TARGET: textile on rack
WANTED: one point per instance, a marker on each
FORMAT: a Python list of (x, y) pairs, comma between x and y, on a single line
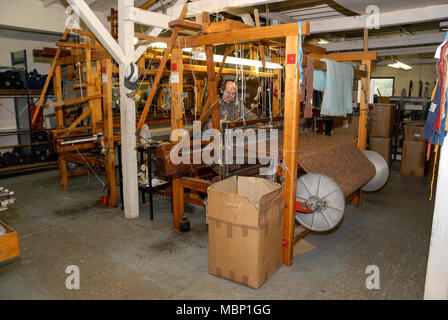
[(338, 89), (436, 125), (319, 80), (308, 88)]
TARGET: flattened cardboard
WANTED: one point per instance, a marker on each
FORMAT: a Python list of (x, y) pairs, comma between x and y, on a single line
[(382, 118), (346, 126), (245, 229), (381, 146), (413, 158)]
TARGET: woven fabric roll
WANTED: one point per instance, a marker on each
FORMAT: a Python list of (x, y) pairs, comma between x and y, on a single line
[(336, 157)]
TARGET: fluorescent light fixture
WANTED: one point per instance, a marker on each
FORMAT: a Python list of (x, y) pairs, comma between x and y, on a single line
[(399, 65), (238, 61), (218, 58), (322, 41), (158, 45)]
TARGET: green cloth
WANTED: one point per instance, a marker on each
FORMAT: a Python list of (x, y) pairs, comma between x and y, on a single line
[(338, 91)]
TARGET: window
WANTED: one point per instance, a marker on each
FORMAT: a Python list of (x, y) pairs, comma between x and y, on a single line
[(385, 86)]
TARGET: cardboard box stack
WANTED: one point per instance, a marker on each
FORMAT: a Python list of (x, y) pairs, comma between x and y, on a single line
[(245, 228), (382, 119), (414, 149)]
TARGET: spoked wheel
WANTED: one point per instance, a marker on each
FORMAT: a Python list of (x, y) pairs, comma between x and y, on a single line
[(321, 201)]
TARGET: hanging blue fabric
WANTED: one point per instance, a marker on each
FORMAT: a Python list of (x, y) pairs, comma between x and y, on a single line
[(300, 53), (446, 36)]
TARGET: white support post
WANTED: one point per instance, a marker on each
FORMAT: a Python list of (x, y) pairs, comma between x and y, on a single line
[(127, 112), (436, 286)]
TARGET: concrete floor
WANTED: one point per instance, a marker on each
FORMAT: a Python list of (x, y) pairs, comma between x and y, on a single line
[(143, 259)]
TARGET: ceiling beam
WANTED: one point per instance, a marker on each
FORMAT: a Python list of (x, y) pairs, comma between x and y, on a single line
[(247, 19), (147, 18), (408, 61), (281, 18), (406, 51), (387, 42), (197, 7), (423, 14)]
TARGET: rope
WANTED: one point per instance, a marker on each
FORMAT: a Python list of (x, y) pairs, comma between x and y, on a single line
[(300, 53), (436, 150)]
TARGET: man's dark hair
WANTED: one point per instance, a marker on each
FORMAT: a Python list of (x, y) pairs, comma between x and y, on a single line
[(224, 84)]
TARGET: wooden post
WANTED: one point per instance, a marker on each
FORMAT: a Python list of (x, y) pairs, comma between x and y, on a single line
[(178, 201), (127, 112), (160, 108), (109, 134), (290, 145), (50, 74), (199, 95), (59, 114), (176, 83), (364, 107)]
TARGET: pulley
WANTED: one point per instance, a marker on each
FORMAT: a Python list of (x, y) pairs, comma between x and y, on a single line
[(131, 77), (381, 168), (320, 202)]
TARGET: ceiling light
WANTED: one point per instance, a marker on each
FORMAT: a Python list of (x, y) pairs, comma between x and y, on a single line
[(218, 58), (399, 65), (322, 41)]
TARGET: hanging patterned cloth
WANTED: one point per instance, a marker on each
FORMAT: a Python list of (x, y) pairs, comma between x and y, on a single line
[(436, 125)]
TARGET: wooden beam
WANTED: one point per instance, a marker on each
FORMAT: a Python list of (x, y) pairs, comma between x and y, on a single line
[(147, 4), (364, 107), (349, 56), (246, 35), (290, 146), (226, 25), (185, 25), (177, 89), (58, 104), (260, 46), (159, 73), (80, 118), (47, 81), (148, 37), (108, 133)]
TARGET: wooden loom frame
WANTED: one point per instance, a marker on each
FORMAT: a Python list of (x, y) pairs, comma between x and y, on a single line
[(290, 33)]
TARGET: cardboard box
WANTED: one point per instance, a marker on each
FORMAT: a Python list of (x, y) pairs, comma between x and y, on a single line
[(413, 159), (345, 126), (245, 228), (413, 132), (382, 119), (9, 244), (382, 146)]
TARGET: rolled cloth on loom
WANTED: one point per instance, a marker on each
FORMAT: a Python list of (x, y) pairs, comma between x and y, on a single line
[(336, 157)]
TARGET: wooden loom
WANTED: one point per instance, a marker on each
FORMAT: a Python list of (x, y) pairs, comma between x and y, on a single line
[(290, 34)]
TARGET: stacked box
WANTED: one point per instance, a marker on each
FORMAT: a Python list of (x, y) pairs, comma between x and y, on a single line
[(382, 119)]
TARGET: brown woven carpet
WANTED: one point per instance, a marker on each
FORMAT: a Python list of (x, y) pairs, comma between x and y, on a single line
[(336, 157)]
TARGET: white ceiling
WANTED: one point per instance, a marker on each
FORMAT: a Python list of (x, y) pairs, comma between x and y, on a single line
[(360, 6)]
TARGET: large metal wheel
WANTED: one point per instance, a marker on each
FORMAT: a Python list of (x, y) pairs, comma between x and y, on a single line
[(324, 198), (382, 171)]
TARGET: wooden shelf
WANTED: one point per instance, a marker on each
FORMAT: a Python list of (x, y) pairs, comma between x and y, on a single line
[(15, 132), (28, 167), (20, 92)]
